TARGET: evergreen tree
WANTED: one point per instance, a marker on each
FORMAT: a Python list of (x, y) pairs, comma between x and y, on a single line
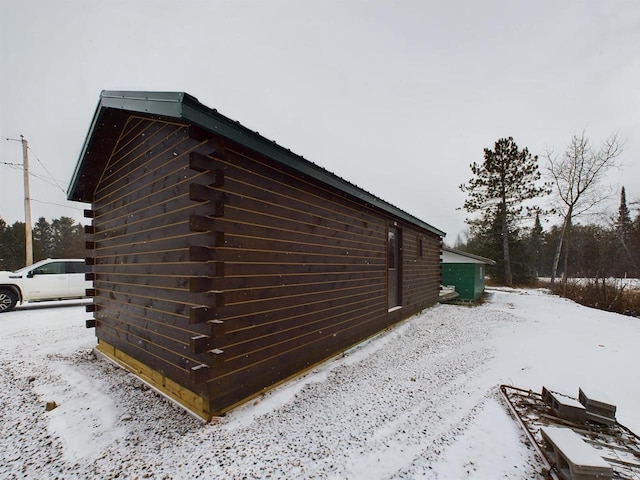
[(60, 239), (4, 254), (635, 244), (624, 232), (484, 240), (42, 240), (536, 240), (15, 246), (594, 252), (67, 238), (624, 216), (502, 183)]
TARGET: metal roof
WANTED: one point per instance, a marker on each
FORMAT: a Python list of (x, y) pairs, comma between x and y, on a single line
[(465, 255), (182, 106)]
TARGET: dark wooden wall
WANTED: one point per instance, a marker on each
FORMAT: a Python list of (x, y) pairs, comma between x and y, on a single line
[(228, 273)]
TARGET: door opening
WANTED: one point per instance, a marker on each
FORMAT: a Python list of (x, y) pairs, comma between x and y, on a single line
[(393, 267)]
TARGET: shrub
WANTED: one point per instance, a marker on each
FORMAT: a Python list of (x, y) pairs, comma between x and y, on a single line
[(601, 293)]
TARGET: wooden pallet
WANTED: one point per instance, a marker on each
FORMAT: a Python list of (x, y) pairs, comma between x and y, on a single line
[(616, 444)]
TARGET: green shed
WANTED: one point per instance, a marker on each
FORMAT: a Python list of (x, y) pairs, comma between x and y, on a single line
[(465, 271)]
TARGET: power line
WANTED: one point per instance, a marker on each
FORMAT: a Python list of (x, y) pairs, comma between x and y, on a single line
[(45, 168), (51, 177), (18, 166), (57, 204)]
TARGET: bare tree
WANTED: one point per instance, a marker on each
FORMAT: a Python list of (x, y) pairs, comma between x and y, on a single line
[(577, 176)]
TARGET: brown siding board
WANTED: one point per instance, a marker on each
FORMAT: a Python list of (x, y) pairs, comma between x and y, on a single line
[(186, 269), (271, 187), (168, 188), (150, 304), (252, 235), (238, 318), (296, 187), (316, 298), (163, 237), (151, 355), (226, 390), (240, 343), (280, 346), (140, 159), (236, 342), (133, 129), (149, 258), (166, 349), (256, 256), (175, 295), (182, 255), (174, 182), (144, 325), (272, 204), (288, 266), (233, 213), (151, 312), (232, 283), (152, 245), (135, 282), (153, 217), (250, 295), (274, 268), (162, 179), (240, 275)]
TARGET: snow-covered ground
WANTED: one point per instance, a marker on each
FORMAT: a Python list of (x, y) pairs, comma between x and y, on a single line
[(419, 401)]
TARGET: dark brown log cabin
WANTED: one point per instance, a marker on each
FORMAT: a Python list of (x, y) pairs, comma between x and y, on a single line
[(224, 264)]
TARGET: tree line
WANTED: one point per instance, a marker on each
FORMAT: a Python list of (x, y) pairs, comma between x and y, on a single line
[(62, 238), (508, 197)]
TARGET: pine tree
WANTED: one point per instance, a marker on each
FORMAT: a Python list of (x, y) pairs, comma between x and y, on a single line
[(42, 240), (501, 184), (623, 222), (624, 232), (67, 238), (15, 247), (535, 246), (4, 250)]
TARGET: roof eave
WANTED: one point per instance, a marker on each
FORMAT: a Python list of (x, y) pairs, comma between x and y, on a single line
[(179, 105), (484, 260)]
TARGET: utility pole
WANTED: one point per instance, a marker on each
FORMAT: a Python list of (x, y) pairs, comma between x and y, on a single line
[(27, 204)]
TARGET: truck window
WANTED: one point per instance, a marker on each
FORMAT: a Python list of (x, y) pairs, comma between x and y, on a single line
[(53, 268), (77, 267)]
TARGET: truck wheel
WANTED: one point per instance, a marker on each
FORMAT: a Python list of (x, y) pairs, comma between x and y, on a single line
[(8, 300)]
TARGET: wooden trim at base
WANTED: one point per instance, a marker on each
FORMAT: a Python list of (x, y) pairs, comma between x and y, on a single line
[(192, 402), (198, 405)]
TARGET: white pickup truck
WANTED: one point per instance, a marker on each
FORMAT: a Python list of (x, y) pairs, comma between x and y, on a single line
[(50, 279)]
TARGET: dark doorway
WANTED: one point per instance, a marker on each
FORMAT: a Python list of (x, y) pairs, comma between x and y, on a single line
[(393, 265)]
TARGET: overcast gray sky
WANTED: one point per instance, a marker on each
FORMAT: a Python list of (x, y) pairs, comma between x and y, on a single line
[(398, 97)]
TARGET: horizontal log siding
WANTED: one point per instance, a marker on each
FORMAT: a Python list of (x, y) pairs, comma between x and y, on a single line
[(421, 273), (304, 275), (290, 272), (141, 239)]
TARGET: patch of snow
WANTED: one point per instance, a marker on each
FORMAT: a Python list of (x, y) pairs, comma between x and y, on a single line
[(79, 396), (418, 401)]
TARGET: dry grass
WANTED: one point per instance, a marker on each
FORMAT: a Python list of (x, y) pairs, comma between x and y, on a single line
[(600, 293)]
